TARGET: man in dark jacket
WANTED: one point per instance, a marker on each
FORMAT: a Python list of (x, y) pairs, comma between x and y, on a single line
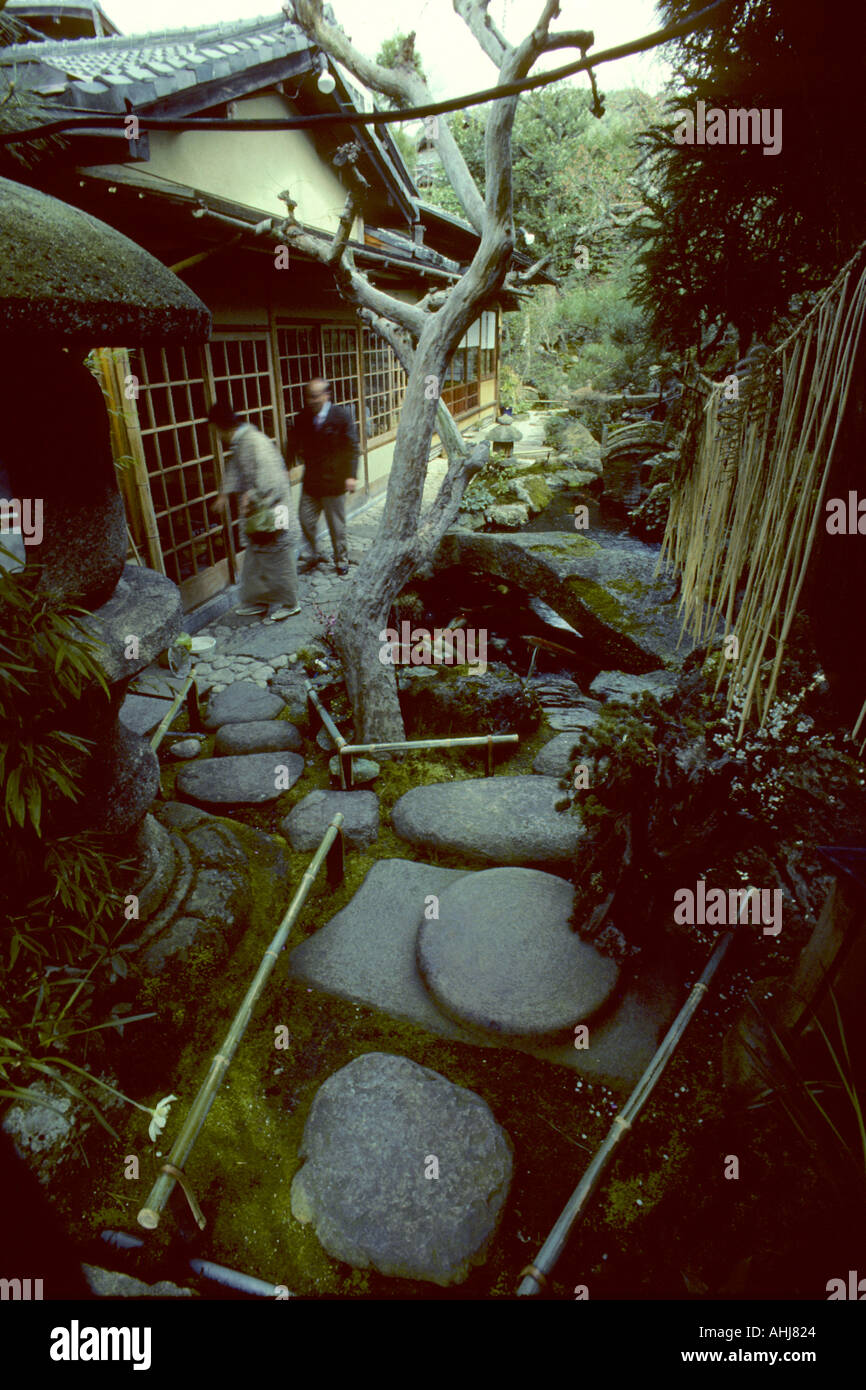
[(325, 439)]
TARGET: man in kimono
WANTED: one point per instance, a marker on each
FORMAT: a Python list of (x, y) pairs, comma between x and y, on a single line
[(269, 583)]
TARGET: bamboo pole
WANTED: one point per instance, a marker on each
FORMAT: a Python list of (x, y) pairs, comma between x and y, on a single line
[(180, 695), (347, 750), (327, 721), (198, 1112), (535, 1275)]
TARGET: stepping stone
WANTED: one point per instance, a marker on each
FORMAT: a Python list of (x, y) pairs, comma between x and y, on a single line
[(142, 714), (242, 702), (375, 1130), (259, 736), (503, 820), (554, 760), (307, 822), (247, 780), (619, 685), (502, 956)]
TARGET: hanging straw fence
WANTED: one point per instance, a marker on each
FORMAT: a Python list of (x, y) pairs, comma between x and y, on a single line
[(748, 510)]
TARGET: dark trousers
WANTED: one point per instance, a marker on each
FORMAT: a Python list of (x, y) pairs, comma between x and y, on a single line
[(309, 511)]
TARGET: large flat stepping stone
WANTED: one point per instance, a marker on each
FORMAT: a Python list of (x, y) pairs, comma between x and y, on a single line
[(243, 781), (307, 822), (142, 714), (500, 820), (242, 702), (259, 736), (502, 956), (404, 1172)]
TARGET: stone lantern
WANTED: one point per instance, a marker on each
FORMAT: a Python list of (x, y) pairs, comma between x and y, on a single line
[(69, 283)]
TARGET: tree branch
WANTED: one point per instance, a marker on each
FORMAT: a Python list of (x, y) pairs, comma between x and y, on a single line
[(452, 439), (474, 15), (404, 86)]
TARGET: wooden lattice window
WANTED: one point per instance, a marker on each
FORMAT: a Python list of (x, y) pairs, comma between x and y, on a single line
[(384, 385), (182, 472), (340, 351), (299, 357), (241, 372), (488, 344), (460, 392)]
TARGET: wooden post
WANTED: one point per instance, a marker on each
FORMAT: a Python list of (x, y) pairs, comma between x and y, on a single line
[(336, 861)]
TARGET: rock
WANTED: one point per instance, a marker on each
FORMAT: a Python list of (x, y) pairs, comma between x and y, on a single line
[(503, 820), (618, 686), (554, 760), (246, 780), (502, 956), (375, 1128), (242, 702), (508, 514), (462, 700), (174, 946), (307, 822), (187, 748), (364, 770), (142, 714), (259, 736), (606, 588), (107, 1283), (178, 815)]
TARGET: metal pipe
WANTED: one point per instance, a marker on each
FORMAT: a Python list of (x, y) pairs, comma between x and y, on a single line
[(535, 1275), (221, 1274), (198, 1112), (346, 750), (234, 1279)]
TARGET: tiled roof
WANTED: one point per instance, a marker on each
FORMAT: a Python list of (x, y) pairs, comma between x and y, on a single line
[(100, 74)]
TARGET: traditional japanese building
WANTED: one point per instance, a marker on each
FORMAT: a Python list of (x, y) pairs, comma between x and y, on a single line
[(203, 202)]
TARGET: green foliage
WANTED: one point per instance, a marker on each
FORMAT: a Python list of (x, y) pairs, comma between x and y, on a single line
[(733, 234), (399, 52)]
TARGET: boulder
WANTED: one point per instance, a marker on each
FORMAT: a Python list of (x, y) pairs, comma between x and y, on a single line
[(508, 514), (403, 1171), (242, 702), (459, 700), (247, 780), (620, 687), (606, 588), (307, 822), (502, 956), (259, 736), (500, 820), (555, 758)]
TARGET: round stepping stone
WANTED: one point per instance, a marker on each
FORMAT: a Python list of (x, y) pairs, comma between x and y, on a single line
[(503, 820), (259, 736), (307, 822), (404, 1172), (363, 770), (247, 780), (242, 702), (502, 956)]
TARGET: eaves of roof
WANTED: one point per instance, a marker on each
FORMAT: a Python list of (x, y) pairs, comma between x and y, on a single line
[(260, 224)]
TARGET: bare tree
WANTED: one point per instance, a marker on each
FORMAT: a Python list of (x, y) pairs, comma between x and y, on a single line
[(423, 335)]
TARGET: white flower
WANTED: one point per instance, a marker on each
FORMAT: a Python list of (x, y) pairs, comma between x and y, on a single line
[(160, 1117)]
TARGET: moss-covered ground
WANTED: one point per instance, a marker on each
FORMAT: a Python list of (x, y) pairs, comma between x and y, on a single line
[(665, 1223)]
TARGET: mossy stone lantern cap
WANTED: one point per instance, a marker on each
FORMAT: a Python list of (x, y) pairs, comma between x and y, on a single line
[(67, 277), (70, 283)]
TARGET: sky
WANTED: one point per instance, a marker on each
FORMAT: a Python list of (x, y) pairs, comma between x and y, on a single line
[(450, 54)]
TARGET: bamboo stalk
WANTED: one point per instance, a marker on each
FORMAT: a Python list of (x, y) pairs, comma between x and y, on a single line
[(162, 727), (535, 1275), (198, 1111)]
